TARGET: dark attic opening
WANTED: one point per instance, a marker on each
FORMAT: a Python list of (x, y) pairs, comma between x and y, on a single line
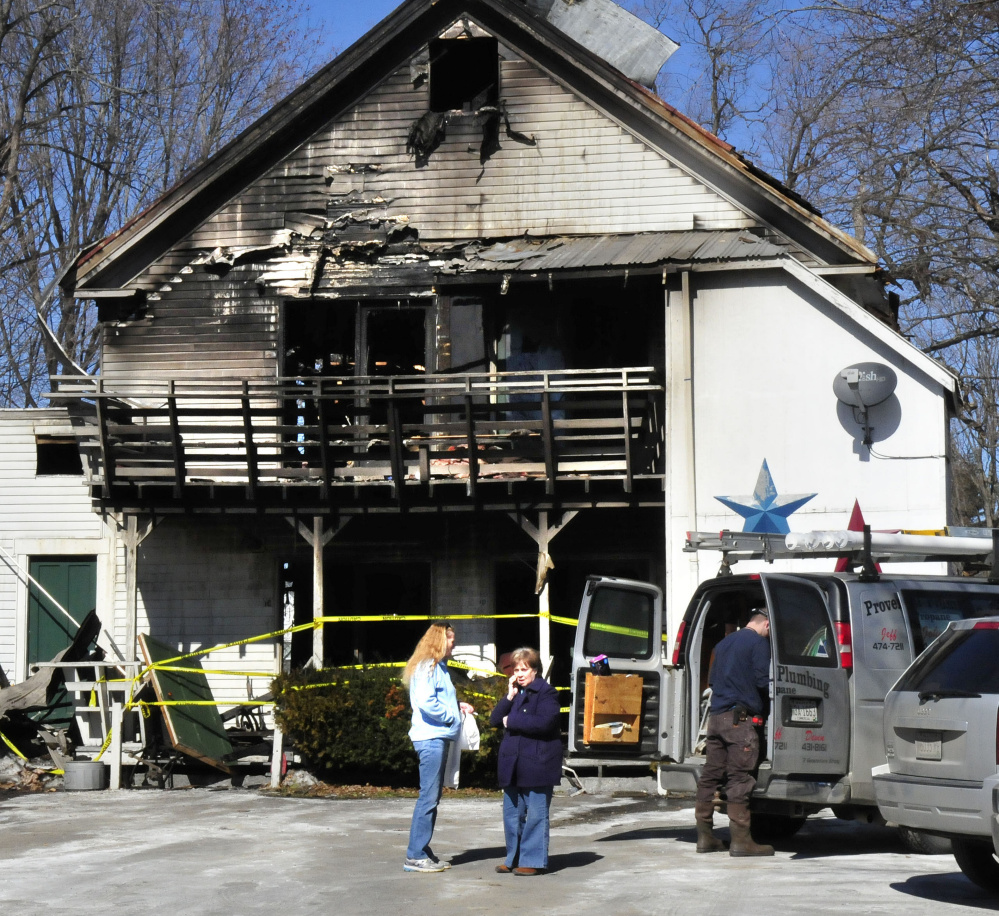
[(464, 73)]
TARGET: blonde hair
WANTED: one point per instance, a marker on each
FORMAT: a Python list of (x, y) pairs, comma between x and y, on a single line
[(432, 647)]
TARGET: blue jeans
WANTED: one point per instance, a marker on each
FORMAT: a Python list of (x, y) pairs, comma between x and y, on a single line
[(433, 756), (525, 823)]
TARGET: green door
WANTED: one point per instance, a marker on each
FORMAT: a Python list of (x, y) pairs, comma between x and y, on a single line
[(72, 581)]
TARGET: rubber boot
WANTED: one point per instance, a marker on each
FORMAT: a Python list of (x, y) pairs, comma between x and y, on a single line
[(706, 839), (742, 842)]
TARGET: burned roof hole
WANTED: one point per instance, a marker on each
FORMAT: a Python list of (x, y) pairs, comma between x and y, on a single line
[(464, 73)]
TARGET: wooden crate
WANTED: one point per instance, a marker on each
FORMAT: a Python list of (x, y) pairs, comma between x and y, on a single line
[(612, 713)]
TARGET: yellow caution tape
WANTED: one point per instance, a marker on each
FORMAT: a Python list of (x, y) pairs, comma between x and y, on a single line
[(10, 744)]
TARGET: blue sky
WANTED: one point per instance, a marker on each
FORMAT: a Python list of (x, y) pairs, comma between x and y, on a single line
[(347, 20)]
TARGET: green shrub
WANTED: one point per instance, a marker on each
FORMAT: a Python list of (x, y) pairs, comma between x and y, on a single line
[(352, 725)]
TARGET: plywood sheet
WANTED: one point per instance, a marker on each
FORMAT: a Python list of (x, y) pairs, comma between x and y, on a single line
[(195, 730), (612, 712)]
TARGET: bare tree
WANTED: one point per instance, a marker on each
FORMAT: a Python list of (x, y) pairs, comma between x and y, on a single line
[(725, 47), (103, 106)]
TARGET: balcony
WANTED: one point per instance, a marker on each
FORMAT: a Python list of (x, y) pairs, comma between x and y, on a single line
[(363, 444)]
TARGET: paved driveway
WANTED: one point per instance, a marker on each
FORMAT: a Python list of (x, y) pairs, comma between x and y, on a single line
[(231, 851)]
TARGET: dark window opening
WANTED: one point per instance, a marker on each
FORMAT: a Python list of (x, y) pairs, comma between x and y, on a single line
[(464, 73), (57, 455), (343, 340)]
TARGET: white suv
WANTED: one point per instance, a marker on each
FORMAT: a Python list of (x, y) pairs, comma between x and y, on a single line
[(941, 730)]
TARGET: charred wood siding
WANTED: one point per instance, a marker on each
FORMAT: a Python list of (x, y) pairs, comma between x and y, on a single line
[(202, 325), (563, 168)]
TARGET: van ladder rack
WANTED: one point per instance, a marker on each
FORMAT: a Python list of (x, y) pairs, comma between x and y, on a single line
[(863, 549)]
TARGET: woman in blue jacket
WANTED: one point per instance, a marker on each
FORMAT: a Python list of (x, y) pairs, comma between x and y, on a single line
[(530, 763), (436, 723)]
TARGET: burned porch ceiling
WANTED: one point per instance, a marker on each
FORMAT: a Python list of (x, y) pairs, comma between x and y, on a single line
[(647, 249), (368, 263), (427, 263)]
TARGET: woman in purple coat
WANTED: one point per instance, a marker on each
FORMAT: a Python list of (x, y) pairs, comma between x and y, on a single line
[(530, 763)]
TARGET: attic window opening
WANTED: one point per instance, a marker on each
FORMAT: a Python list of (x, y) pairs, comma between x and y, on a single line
[(57, 455), (464, 73)]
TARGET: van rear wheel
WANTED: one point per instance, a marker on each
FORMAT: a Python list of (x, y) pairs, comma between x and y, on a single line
[(771, 828), (977, 859)]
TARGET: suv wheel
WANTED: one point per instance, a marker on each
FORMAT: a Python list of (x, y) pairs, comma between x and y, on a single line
[(924, 843), (977, 860)]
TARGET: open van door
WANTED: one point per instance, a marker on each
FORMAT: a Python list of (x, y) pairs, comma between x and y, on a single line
[(809, 727), (625, 713)]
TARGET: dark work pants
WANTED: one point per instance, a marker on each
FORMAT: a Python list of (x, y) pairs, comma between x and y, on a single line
[(732, 753)]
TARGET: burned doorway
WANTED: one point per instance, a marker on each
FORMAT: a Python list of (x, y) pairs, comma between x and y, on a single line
[(383, 589), (513, 585), (357, 589), (348, 340)]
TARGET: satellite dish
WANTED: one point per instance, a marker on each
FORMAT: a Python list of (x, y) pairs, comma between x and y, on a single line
[(865, 384)]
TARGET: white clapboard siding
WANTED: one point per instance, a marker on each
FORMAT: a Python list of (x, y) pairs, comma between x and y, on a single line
[(583, 174), (48, 515), (202, 586)]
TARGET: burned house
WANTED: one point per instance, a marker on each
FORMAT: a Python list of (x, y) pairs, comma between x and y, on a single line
[(470, 315)]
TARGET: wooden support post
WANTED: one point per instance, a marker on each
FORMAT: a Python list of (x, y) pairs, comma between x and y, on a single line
[(277, 757), (132, 534), (544, 628), (114, 749), (107, 459), (543, 534), (628, 448), (473, 448), (179, 464), (396, 462), (249, 447), (322, 414), (318, 605), (317, 539), (548, 440)]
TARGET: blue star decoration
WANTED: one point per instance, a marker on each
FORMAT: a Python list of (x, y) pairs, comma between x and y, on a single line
[(765, 511)]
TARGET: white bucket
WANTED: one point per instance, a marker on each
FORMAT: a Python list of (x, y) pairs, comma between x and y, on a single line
[(85, 775)]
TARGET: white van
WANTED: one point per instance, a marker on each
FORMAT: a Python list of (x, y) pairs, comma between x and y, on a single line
[(839, 641)]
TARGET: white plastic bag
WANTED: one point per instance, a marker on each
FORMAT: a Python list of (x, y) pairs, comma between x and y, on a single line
[(468, 737), (467, 740)]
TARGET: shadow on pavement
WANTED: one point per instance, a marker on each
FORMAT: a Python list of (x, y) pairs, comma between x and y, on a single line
[(562, 861), (557, 862), (685, 833), (478, 855), (950, 888)]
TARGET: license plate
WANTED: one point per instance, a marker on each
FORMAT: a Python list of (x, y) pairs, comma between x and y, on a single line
[(804, 711), (928, 746)]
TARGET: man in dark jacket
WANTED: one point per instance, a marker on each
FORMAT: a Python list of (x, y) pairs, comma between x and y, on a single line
[(739, 679), (530, 763)]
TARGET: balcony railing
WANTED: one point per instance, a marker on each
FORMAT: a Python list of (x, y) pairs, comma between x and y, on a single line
[(411, 433)]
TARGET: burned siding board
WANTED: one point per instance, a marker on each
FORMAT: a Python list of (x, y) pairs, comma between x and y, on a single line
[(203, 326), (584, 172)]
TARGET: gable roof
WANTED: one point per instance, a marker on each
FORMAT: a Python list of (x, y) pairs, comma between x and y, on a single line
[(115, 261)]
